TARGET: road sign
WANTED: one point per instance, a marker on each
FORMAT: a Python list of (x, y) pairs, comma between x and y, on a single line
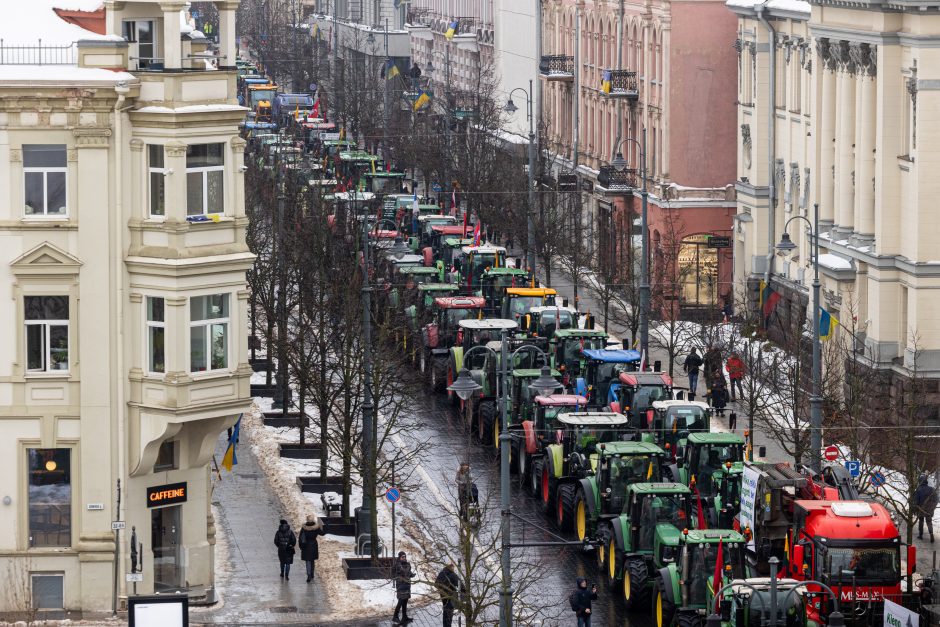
[(854, 467), (133, 577), (117, 524), (831, 453), (719, 241), (878, 479), (393, 495), (437, 187)]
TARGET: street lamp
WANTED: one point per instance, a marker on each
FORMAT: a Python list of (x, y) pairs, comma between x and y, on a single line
[(399, 249), (530, 225), (620, 164), (464, 387), (815, 400), (545, 384)]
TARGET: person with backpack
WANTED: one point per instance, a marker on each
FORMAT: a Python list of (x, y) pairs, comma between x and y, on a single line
[(309, 547), (449, 586), (285, 540), (580, 601)]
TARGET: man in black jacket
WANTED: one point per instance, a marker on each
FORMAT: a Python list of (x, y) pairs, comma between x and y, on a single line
[(581, 602), (925, 503), (448, 583), (692, 363)]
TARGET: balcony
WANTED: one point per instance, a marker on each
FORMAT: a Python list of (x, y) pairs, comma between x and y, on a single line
[(614, 180), (623, 84), (557, 68)]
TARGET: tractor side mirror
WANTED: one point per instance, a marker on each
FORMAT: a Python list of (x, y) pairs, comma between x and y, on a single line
[(798, 556)]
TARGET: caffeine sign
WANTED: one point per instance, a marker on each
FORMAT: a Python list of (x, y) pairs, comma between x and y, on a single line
[(169, 494)]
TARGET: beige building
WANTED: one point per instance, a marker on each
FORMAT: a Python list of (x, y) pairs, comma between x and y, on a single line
[(838, 105), (122, 261)]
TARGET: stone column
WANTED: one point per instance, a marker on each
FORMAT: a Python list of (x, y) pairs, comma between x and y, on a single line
[(827, 131), (228, 52), (845, 142), (865, 149), (172, 44)]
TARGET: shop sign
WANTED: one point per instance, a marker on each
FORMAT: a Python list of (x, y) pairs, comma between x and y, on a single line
[(719, 241), (169, 494)]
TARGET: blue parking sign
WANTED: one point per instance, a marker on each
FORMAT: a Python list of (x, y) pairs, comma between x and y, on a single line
[(854, 467)]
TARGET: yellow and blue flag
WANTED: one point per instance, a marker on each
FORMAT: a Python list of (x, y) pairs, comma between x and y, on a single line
[(422, 100), (229, 459), (827, 324), (606, 81), (390, 70), (451, 30), (315, 32)]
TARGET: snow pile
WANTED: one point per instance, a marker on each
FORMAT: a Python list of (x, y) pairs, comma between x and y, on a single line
[(834, 262)]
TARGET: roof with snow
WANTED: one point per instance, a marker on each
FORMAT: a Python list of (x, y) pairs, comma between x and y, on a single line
[(28, 23), (783, 6)]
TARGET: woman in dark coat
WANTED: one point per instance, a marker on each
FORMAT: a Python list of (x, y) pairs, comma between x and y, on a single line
[(403, 575), (309, 548), (285, 541)]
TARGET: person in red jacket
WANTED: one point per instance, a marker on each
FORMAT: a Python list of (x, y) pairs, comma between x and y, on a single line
[(736, 373)]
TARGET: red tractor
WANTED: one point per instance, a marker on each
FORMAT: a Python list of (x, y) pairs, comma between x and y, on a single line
[(443, 332)]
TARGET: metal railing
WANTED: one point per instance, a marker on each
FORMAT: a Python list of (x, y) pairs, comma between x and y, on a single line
[(611, 178), (623, 82), (556, 64), (38, 54)]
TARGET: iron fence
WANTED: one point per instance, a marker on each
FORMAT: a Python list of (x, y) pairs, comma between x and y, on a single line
[(557, 64), (38, 54)]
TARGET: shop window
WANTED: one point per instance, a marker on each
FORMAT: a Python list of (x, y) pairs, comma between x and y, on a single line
[(204, 179), (156, 335), (698, 272), (208, 332), (44, 176), (157, 173), (50, 497), (47, 333)]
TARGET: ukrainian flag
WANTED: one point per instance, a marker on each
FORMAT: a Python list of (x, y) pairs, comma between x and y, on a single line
[(315, 32), (605, 81), (422, 100), (451, 30), (229, 459), (391, 70), (827, 324)]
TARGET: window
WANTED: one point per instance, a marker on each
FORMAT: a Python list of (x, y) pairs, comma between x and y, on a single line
[(47, 591), (50, 497), (156, 334), (44, 168), (157, 181), (208, 332), (204, 167), (166, 457), (47, 333), (141, 32)]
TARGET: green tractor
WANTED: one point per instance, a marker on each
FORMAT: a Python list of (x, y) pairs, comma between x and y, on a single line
[(643, 538), (495, 282), (520, 402), (599, 495), (669, 423), (685, 588), (532, 436), (403, 292), (574, 454), (712, 463), (566, 347)]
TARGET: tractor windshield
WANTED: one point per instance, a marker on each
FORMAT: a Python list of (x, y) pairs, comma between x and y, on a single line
[(520, 305), (671, 509), (481, 261), (711, 458), (456, 315), (633, 469), (867, 565), (702, 560), (691, 418), (572, 347), (551, 321), (647, 394)]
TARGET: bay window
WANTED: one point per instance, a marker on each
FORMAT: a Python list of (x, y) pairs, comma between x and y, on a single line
[(156, 335), (204, 179), (208, 332)]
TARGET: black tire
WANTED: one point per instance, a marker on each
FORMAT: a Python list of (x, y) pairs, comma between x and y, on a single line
[(600, 553), (535, 476), (523, 466), (581, 509), (690, 619), (637, 592), (423, 362), (664, 617), (438, 375), (564, 507), (486, 421)]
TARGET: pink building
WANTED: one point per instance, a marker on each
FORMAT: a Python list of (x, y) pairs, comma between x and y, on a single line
[(670, 68)]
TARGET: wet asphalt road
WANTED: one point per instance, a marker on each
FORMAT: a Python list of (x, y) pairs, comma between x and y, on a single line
[(559, 567)]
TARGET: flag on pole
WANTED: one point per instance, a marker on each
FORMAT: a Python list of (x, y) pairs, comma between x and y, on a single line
[(422, 100), (415, 212), (390, 70), (476, 234), (229, 459), (700, 512), (451, 30), (827, 324), (606, 81), (718, 578), (316, 109), (768, 299)]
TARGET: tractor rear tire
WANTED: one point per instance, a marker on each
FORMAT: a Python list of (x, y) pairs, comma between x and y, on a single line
[(546, 492), (581, 521), (663, 610), (636, 584), (535, 477), (690, 619), (564, 516), (600, 553), (485, 421), (423, 363), (523, 466), (438, 375)]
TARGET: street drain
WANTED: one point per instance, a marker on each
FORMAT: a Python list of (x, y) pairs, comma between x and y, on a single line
[(248, 475), (283, 609)]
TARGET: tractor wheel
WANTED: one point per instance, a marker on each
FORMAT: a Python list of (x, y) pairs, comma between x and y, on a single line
[(690, 619), (423, 363), (613, 562), (636, 588), (564, 517), (523, 461), (486, 421), (453, 398), (494, 441), (663, 610), (535, 478), (438, 374), (580, 521), (546, 489), (600, 553)]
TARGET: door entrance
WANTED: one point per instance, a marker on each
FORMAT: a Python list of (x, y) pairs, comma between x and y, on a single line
[(166, 540)]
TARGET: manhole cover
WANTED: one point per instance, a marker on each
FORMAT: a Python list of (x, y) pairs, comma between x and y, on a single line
[(283, 609)]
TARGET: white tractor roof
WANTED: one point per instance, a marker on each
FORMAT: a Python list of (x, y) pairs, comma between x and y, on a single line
[(585, 419), (497, 324)]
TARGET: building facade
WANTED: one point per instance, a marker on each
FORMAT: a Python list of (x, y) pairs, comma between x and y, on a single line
[(854, 89), (122, 251), (616, 71)]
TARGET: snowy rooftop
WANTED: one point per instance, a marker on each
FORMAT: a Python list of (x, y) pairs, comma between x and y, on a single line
[(26, 23), (64, 75), (794, 6)]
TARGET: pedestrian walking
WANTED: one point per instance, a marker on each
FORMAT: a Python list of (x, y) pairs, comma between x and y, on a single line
[(925, 504), (719, 397), (733, 421), (580, 601), (403, 575), (449, 586), (692, 364), (735, 366), (309, 547), (713, 366), (285, 541)]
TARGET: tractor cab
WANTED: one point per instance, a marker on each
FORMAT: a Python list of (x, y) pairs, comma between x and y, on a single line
[(451, 254), (426, 223), (601, 368), (545, 320), (405, 282), (517, 301), (495, 282), (567, 346), (480, 332), (541, 430), (475, 260), (635, 392), (427, 292), (440, 233), (441, 333), (751, 603), (669, 423), (706, 456), (521, 398)]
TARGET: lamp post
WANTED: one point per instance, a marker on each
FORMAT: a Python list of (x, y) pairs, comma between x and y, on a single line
[(815, 400), (530, 225), (464, 387), (619, 164)]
